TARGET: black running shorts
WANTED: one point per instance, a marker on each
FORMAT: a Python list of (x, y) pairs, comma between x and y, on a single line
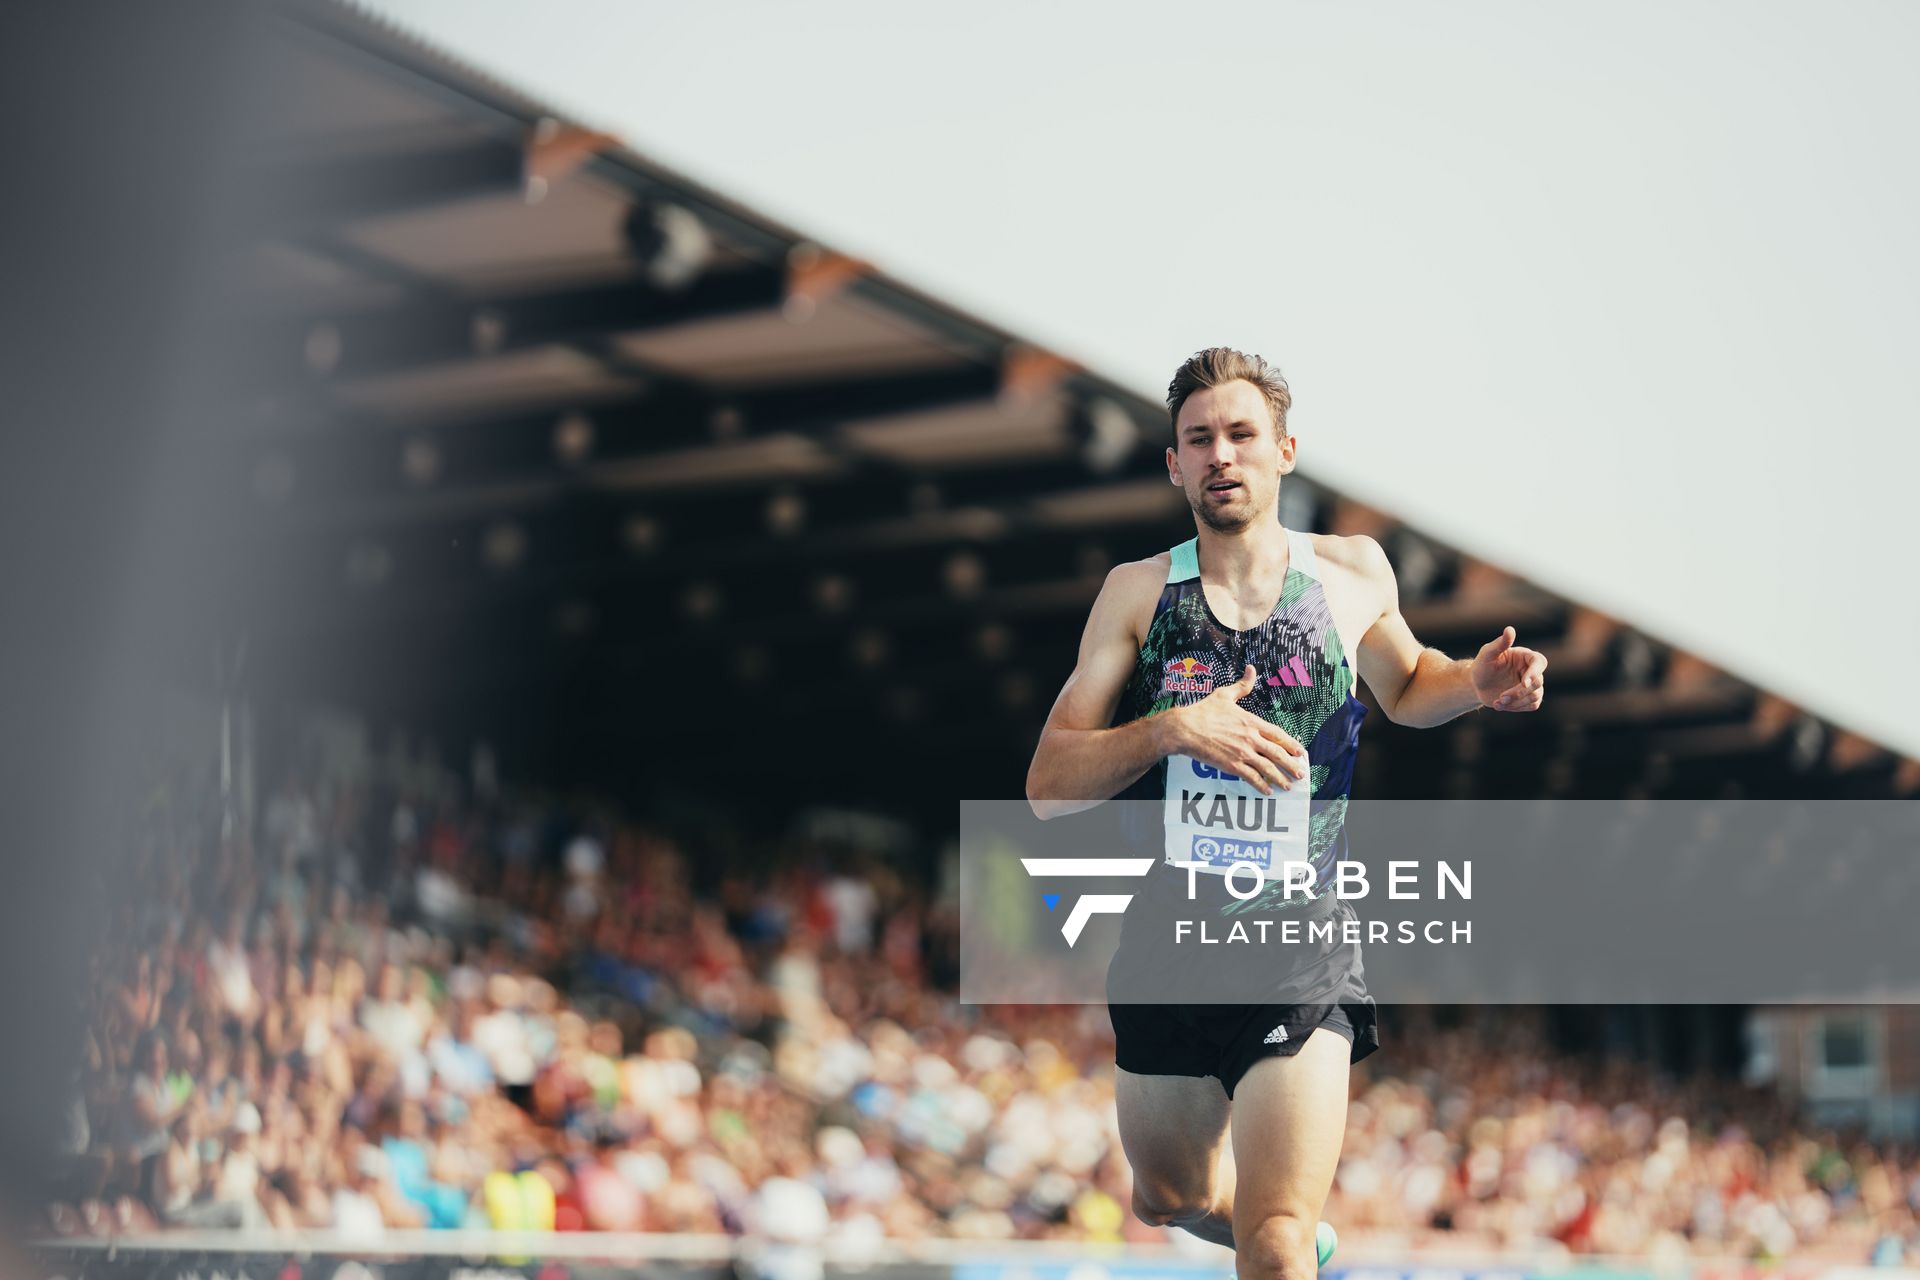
[(1225, 1040)]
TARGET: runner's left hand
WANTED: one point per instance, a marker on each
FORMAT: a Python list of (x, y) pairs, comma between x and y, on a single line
[(1509, 678)]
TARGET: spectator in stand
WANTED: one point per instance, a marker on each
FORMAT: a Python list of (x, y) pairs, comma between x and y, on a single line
[(231, 971), (236, 1184), (147, 1113), (413, 1166)]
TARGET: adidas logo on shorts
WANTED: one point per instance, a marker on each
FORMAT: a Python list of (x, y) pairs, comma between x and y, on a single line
[(1276, 1036)]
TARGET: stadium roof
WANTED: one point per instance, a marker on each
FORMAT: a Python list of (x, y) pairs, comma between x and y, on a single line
[(553, 445)]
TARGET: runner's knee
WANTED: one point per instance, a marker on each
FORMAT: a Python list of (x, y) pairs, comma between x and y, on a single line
[(1167, 1205), (1278, 1247)]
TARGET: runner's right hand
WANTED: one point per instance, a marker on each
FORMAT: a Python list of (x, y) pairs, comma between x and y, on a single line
[(1218, 731)]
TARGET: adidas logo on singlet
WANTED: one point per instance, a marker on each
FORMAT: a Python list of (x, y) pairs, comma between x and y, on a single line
[(1293, 675), (1276, 1036)]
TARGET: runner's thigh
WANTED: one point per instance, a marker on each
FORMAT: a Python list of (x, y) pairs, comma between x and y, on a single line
[(1289, 1118), (1172, 1129)]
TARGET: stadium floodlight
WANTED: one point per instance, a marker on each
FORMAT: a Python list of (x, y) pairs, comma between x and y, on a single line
[(1807, 742), (671, 243), (965, 574), (786, 512), (1109, 435), (642, 534), (702, 601), (488, 331), (504, 546), (726, 422), (870, 647), (1415, 565), (1635, 660), (832, 592), (573, 438)]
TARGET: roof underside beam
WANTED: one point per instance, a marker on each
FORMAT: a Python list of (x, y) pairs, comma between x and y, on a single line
[(285, 354), (292, 196)]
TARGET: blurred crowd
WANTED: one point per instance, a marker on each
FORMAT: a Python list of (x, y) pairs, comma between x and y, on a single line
[(1480, 1132), (373, 1011)]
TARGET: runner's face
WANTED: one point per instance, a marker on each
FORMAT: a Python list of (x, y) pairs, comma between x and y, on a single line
[(1227, 456)]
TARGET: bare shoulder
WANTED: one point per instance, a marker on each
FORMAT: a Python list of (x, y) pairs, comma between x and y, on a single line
[(1131, 592), (1140, 577), (1357, 554)]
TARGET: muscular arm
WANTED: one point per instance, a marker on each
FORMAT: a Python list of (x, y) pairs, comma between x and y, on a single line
[(1422, 687), (1080, 761), (1431, 687)]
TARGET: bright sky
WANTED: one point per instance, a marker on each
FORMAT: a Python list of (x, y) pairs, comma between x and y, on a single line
[(1623, 297)]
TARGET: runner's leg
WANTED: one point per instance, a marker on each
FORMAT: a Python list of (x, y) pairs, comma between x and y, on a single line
[(1288, 1120), (1173, 1129)]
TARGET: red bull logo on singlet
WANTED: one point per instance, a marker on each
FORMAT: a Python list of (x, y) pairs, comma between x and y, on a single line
[(1187, 675)]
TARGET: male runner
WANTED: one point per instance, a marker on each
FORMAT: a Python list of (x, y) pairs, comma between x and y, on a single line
[(1228, 667)]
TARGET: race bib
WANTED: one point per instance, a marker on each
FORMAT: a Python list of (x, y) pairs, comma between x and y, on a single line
[(1214, 819)]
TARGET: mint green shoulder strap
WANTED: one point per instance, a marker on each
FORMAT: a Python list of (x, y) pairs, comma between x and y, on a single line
[(1183, 561)]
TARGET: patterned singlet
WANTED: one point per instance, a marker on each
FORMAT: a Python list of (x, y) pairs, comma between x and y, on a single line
[(1305, 683)]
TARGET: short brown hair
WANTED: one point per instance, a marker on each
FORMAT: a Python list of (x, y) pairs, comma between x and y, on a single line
[(1217, 365)]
